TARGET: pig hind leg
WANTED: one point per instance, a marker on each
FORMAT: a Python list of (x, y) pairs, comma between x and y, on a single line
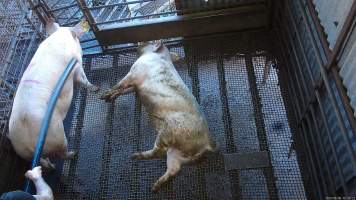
[(82, 79), (65, 154), (46, 163), (175, 160), (157, 152), (150, 154)]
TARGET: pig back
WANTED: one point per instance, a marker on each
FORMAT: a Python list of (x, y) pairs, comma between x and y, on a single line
[(35, 90), (44, 71), (173, 110)]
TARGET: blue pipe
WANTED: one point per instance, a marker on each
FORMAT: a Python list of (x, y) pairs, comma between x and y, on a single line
[(48, 116)]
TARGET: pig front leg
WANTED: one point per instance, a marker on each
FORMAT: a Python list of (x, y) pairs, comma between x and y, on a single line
[(175, 160), (125, 86), (82, 79)]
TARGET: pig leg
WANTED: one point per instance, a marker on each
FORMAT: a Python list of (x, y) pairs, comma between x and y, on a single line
[(175, 160), (65, 154), (46, 163), (43, 191), (157, 152), (82, 79), (123, 87)]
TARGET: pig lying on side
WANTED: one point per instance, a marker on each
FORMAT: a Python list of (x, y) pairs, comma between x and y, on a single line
[(182, 131), (35, 89)]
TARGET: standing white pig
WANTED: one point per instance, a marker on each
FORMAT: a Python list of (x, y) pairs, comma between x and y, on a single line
[(182, 130), (35, 90)]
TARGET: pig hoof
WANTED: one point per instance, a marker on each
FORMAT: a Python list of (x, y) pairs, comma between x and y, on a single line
[(49, 167), (94, 88), (136, 156), (155, 188), (71, 155), (46, 163), (107, 97)]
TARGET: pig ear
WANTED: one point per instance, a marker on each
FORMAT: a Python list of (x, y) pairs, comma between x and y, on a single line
[(81, 28), (158, 45), (51, 26)]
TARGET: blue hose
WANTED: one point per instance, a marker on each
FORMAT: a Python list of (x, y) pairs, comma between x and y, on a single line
[(48, 116)]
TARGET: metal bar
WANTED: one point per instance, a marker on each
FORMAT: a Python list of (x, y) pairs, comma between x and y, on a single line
[(292, 98), (101, 11), (64, 7), (70, 23), (89, 47), (136, 17), (55, 3), (259, 122), (194, 75), (48, 116), (32, 6), (106, 151), (347, 27), (255, 160), (311, 161), (119, 4), (71, 17), (288, 37), (78, 131), (12, 47), (87, 40), (222, 21), (112, 12), (325, 160), (350, 22), (291, 95), (303, 53), (229, 135), (333, 149), (281, 42), (82, 5), (315, 155), (330, 92), (319, 28), (64, 10), (136, 148), (299, 88), (344, 98)]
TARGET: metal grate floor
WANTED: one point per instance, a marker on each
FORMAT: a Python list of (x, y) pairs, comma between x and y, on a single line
[(225, 74)]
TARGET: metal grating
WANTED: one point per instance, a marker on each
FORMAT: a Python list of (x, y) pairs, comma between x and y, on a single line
[(19, 39), (221, 72), (188, 6)]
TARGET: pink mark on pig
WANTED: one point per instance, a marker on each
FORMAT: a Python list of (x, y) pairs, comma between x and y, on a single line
[(31, 81)]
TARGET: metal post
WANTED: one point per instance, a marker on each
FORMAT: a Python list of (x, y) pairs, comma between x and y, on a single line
[(106, 151), (261, 131), (229, 135)]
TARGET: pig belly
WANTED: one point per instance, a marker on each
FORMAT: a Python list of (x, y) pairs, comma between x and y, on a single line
[(24, 129), (185, 131)]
